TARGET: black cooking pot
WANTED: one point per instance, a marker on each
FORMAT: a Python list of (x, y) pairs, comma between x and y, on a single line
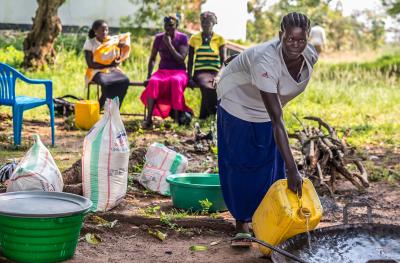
[(347, 243)]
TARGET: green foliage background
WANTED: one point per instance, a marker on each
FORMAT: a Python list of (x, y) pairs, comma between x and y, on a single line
[(343, 32), (362, 96)]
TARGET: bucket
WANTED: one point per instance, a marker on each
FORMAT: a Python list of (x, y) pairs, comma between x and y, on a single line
[(41, 226), (188, 190)]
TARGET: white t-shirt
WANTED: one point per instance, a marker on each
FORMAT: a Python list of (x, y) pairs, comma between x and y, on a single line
[(317, 36), (91, 44), (261, 68)]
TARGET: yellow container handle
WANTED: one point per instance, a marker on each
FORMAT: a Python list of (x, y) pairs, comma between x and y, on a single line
[(300, 200)]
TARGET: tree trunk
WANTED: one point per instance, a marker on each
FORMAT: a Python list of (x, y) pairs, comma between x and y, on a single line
[(38, 45)]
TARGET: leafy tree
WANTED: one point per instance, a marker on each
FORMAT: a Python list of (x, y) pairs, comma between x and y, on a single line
[(376, 29), (392, 6), (264, 23), (343, 32), (151, 12)]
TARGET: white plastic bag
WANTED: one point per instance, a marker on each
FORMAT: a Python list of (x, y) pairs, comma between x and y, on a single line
[(161, 162), (37, 171), (105, 160)]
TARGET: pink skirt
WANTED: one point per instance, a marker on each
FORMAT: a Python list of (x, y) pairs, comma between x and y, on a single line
[(167, 87)]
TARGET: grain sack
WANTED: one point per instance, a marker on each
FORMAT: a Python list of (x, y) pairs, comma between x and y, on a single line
[(37, 171), (161, 162), (105, 160)]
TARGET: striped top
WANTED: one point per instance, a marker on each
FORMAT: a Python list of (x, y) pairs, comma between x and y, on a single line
[(207, 54), (206, 59)]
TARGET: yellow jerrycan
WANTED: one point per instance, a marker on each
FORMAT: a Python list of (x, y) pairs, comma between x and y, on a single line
[(282, 214), (87, 113)]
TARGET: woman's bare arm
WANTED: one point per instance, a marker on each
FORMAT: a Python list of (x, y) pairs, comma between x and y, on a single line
[(180, 54), (152, 61), (95, 65), (190, 62), (274, 108), (222, 54)]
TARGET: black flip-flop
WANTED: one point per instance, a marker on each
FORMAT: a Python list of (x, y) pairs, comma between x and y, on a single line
[(147, 125)]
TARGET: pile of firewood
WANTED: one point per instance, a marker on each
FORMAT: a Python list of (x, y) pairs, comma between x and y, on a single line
[(327, 157)]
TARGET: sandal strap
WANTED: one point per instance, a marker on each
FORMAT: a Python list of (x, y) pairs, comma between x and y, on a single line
[(242, 235)]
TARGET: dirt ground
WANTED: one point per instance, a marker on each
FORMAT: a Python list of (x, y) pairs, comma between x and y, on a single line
[(130, 241)]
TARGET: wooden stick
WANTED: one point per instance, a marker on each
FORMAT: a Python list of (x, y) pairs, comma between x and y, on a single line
[(320, 175), (311, 152), (363, 176), (325, 148), (301, 123), (343, 171), (321, 123)]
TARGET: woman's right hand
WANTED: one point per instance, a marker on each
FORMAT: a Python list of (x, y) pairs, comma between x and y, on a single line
[(167, 40), (295, 181), (146, 82)]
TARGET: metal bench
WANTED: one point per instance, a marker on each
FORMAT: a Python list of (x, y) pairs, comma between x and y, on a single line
[(132, 83)]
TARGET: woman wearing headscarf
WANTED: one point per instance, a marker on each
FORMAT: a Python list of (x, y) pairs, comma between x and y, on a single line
[(165, 88), (206, 55), (104, 54)]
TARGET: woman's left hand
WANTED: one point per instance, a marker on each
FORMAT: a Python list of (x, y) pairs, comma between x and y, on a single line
[(191, 83), (295, 182)]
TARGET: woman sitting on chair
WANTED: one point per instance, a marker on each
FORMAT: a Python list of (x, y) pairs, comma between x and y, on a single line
[(103, 55), (206, 54), (165, 88)]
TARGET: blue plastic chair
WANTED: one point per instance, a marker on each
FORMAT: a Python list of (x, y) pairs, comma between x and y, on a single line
[(19, 104)]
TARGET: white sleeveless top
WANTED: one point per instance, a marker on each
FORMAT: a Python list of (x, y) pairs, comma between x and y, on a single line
[(261, 68)]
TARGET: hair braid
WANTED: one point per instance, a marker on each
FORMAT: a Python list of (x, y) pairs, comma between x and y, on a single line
[(295, 19)]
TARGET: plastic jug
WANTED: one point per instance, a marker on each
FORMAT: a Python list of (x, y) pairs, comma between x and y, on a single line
[(282, 214), (87, 113)]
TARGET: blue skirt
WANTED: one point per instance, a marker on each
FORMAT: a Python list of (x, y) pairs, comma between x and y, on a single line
[(249, 163)]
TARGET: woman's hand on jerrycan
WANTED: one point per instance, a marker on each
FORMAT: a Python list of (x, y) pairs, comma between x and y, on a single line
[(295, 182)]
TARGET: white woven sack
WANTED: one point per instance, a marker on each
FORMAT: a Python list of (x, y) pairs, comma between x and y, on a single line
[(161, 162), (105, 160), (37, 171)]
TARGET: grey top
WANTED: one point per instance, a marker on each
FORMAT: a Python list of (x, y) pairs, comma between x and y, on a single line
[(38, 204), (261, 68)]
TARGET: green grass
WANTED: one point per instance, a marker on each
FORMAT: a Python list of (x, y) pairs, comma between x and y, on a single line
[(361, 96), (68, 77), (366, 101)]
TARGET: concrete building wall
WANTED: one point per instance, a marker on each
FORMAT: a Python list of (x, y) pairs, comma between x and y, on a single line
[(231, 24), (72, 12)]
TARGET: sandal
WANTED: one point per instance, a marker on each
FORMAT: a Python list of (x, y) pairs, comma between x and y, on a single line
[(240, 240)]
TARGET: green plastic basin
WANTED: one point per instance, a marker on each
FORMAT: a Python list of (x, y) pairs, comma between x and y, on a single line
[(41, 226), (188, 189)]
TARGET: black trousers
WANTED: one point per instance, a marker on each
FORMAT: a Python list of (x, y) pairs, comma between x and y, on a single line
[(205, 79), (113, 84)]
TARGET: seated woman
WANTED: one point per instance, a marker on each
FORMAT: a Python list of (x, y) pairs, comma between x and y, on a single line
[(165, 88), (206, 53), (103, 54)]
